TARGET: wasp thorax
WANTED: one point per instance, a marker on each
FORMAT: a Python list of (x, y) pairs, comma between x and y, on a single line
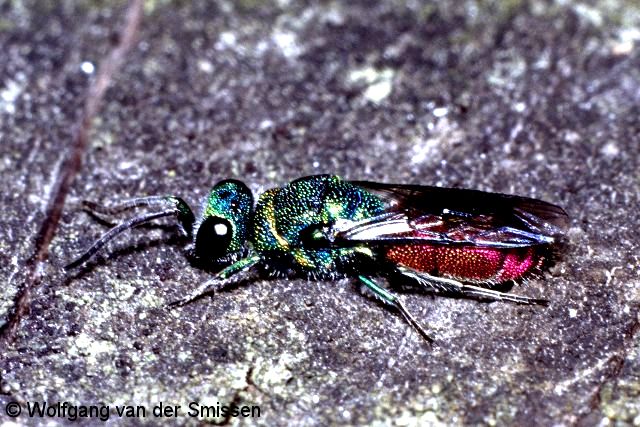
[(223, 230)]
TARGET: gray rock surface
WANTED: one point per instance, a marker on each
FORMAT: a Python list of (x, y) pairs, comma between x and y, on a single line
[(528, 97)]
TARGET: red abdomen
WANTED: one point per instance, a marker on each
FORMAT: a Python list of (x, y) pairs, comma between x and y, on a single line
[(467, 263)]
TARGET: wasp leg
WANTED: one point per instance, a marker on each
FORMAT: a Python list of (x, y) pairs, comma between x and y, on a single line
[(393, 300), (227, 276), (126, 205), (441, 284)]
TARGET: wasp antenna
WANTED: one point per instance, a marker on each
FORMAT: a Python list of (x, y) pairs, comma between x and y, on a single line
[(129, 204), (109, 235)]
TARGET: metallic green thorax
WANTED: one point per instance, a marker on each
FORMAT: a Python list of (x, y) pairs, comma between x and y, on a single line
[(288, 227), (288, 222)]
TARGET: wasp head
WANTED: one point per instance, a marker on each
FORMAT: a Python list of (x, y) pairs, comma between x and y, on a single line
[(221, 234)]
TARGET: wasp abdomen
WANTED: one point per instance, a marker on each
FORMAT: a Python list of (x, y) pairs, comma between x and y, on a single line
[(467, 263)]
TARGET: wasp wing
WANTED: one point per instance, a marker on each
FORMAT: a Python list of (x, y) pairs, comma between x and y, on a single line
[(435, 215)]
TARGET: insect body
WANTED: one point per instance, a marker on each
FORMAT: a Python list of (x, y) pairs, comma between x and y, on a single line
[(454, 241)]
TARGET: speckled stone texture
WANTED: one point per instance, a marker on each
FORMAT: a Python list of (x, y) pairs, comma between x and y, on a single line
[(537, 98)]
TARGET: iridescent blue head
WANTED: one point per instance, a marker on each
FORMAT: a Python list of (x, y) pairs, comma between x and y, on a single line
[(221, 234)]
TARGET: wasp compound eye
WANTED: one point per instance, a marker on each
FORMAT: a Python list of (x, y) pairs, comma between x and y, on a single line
[(213, 238), (225, 221)]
